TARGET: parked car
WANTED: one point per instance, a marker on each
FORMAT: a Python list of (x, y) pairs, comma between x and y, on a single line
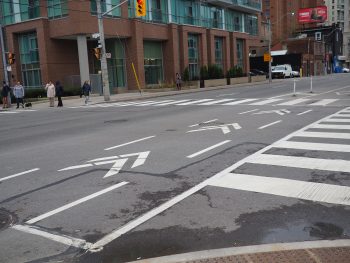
[(257, 72), (346, 70), (296, 74), (282, 71)]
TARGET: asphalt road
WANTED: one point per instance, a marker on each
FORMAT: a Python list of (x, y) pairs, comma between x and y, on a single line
[(126, 181)]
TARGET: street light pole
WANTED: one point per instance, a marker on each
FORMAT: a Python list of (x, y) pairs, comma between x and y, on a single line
[(270, 58), (104, 68)]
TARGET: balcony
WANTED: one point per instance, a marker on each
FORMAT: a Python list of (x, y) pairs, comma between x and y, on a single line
[(250, 6)]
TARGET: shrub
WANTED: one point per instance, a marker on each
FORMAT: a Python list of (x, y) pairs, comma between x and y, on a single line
[(215, 72), (186, 75), (203, 73), (234, 72)]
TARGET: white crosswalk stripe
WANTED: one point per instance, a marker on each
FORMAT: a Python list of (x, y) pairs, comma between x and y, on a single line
[(293, 102), (239, 102), (264, 102), (289, 187), (323, 102), (193, 102), (216, 102)]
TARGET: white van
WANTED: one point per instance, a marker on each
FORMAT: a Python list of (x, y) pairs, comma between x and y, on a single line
[(282, 71)]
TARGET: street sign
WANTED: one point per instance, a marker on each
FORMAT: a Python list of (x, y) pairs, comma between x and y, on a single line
[(9, 68), (267, 57), (108, 55), (95, 35)]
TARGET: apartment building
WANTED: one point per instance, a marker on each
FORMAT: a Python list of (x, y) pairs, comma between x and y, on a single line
[(53, 39), (339, 13), (283, 23)]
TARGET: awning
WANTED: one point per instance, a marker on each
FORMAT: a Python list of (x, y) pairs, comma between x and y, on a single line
[(279, 52)]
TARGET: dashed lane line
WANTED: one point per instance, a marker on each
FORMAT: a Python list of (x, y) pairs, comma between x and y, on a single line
[(18, 174), (124, 144)]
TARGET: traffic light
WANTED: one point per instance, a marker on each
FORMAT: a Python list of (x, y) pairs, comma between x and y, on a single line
[(11, 58), (97, 52), (140, 8)]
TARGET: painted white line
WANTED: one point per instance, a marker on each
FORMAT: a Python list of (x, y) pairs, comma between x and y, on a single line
[(194, 125), (236, 126), (8, 112), (279, 86), (317, 192), (160, 209), (124, 144), (105, 162), (331, 135), (302, 162), (304, 112), (208, 149), (264, 102), (216, 102), (330, 126), (244, 112), (193, 102), (293, 102), (337, 120), (118, 165), (270, 124), (210, 121), (66, 240), (19, 174), (75, 167), (342, 114), (103, 159), (77, 202), (223, 95), (171, 102), (141, 158), (239, 102), (154, 103), (323, 102), (314, 146)]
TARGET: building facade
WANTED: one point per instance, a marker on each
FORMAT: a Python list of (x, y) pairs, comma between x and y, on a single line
[(283, 23), (339, 13), (53, 39)]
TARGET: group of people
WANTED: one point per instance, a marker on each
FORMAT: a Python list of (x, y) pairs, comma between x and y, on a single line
[(52, 90)]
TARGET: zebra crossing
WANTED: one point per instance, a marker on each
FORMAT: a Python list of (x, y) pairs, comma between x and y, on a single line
[(11, 112), (221, 102), (282, 157)]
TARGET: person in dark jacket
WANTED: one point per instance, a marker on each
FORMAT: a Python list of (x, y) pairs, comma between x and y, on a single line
[(59, 93), (4, 93), (86, 90)]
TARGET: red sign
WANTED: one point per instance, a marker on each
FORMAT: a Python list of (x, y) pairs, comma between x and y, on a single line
[(312, 15)]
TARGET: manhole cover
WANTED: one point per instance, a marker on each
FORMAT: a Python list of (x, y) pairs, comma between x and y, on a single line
[(5, 219)]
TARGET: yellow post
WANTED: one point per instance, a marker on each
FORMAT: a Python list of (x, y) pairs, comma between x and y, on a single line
[(137, 80), (301, 72)]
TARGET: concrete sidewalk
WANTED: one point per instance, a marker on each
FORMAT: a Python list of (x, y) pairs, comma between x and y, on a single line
[(95, 99), (337, 251)]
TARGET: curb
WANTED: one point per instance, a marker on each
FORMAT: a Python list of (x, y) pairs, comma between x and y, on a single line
[(237, 251)]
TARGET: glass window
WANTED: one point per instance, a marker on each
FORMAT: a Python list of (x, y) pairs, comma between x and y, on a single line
[(15, 11), (240, 53), (193, 56), (29, 58), (105, 6), (219, 52), (57, 8), (251, 24), (116, 64), (153, 62)]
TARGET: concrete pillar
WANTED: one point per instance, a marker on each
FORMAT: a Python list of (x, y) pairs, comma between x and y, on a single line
[(83, 58), (171, 55)]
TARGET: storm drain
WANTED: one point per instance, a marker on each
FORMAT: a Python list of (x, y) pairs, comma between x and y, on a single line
[(6, 219), (321, 255)]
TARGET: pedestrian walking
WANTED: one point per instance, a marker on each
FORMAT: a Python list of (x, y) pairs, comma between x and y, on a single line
[(4, 94), (86, 90), (18, 92), (50, 89), (59, 93), (178, 81)]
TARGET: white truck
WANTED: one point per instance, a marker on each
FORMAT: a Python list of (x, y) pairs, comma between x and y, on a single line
[(282, 71)]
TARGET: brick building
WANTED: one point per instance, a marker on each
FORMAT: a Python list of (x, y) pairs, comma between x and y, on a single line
[(283, 24), (53, 40)]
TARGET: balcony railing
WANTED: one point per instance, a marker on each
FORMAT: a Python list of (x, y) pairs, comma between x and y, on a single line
[(243, 5)]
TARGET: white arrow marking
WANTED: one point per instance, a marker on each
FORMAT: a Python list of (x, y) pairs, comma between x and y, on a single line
[(225, 128), (118, 165), (76, 167), (142, 156)]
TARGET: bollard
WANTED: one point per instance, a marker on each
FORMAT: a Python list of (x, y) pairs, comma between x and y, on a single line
[(294, 90), (311, 86)]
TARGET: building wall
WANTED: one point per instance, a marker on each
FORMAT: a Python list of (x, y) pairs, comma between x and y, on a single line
[(58, 50)]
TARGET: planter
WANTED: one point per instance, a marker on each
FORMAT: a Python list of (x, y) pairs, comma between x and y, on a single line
[(215, 82), (239, 80), (258, 78)]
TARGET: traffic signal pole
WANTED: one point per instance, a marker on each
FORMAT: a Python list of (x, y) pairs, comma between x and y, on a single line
[(104, 67), (4, 62)]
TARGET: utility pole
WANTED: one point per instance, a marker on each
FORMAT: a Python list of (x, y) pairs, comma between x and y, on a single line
[(104, 68), (270, 62), (4, 62)]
